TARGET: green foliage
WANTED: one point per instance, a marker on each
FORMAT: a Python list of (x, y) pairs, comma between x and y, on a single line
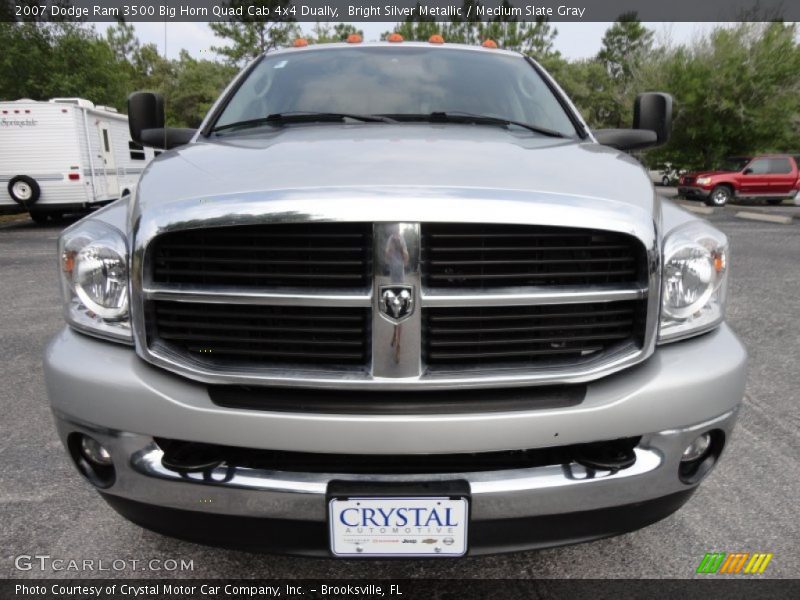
[(625, 45), (533, 38), (590, 88), (41, 61), (196, 85), (737, 92), (323, 33), (250, 37)]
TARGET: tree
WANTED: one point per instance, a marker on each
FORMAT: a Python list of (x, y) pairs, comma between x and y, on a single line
[(325, 34), (737, 92), (625, 43), (44, 60), (194, 89), (533, 38), (589, 86), (250, 37)]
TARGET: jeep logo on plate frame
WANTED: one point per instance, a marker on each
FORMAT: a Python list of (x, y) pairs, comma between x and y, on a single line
[(397, 302)]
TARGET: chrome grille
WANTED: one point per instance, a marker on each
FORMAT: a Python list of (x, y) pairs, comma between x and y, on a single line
[(529, 334), (322, 255), (487, 256), (493, 304)]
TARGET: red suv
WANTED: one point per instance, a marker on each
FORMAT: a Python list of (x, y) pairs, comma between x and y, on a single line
[(772, 177)]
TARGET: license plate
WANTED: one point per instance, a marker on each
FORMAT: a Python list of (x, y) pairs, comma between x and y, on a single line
[(427, 526)]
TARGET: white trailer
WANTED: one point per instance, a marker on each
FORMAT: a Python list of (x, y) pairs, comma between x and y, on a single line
[(64, 155)]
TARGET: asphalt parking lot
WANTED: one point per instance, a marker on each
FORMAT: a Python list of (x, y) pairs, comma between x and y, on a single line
[(749, 504)]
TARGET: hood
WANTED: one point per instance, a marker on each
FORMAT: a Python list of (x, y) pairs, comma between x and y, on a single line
[(335, 156)]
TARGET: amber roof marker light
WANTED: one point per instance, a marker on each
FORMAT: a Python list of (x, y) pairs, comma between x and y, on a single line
[(354, 38), (489, 44), (394, 38), (300, 43), (436, 39)]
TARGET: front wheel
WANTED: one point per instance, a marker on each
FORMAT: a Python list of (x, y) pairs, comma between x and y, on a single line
[(719, 196), (774, 201), (665, 181)]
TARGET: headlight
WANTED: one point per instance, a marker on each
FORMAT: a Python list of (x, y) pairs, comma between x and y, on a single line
[(695, 277), (703, 180), (94, 280)]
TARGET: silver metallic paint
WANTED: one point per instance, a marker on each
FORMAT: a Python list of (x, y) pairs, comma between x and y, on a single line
[(674, 388)]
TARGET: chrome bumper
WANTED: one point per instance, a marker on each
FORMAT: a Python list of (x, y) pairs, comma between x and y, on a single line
[(519, 493)]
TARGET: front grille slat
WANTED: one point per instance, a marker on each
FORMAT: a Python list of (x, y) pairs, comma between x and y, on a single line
[(485, 278), (232, 274), (509, 330), (304, 255), (511, 354), (530, 261), (247, 312)]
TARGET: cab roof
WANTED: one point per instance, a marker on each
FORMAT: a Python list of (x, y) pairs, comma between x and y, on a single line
[(345, 45)]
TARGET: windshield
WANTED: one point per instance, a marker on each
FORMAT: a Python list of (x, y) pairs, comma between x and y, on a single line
[(397, 81), (734, 164)]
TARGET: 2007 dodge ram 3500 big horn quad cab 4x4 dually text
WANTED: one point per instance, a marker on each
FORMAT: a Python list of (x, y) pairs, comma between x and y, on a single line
[(394, 299)]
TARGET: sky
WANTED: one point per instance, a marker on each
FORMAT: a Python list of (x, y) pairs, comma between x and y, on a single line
[(574, 40)]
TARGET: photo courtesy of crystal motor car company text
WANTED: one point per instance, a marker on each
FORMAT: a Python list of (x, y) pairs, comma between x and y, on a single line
[(415, 290)]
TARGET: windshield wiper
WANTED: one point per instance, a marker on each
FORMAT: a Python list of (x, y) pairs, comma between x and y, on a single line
[(465, 117), (284, 118)]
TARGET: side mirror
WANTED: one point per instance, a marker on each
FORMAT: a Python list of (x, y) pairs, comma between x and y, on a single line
[(146, 123), (652, 111), (747, 171), (145, 111), (652, 124)]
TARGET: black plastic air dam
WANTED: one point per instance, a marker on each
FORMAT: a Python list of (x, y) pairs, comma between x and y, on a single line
[(310, 538), (185, 456)]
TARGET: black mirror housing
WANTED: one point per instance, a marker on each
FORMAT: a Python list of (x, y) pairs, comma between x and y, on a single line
[(145, 111), (167, 137), (652, 124), (626, 139), (652, 111), (146, 123)]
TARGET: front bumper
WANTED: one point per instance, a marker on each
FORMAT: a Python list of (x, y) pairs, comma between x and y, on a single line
[(684, 389), (692, 191)]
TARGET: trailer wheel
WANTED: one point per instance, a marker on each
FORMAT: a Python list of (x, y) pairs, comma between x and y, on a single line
[(24, 190)]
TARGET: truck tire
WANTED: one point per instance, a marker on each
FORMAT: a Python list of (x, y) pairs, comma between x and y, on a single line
[(24, 190), (774, 201), (719, 196)]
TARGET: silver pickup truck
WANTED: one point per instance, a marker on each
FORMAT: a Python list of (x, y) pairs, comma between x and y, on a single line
[(394, 299)]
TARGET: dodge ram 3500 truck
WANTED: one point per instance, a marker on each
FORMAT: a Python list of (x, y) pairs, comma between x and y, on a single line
[(394, 299)]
